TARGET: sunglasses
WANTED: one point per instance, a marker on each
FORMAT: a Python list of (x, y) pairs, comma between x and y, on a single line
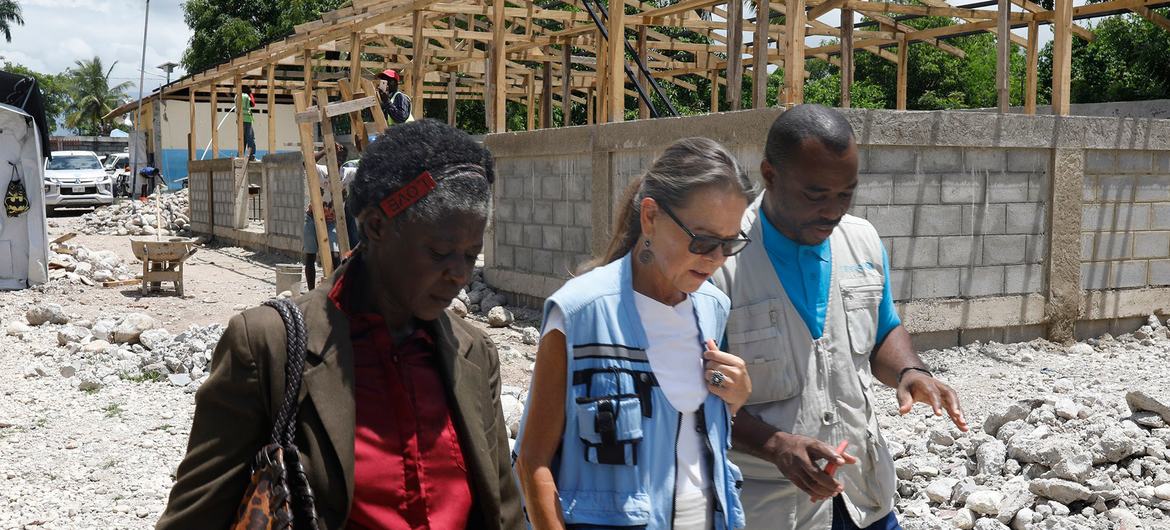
[(703, 245)]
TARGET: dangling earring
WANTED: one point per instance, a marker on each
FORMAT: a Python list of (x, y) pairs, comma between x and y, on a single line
[(645, 256)]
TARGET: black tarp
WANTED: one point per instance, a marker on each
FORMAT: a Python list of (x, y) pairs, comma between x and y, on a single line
[(24, 93)]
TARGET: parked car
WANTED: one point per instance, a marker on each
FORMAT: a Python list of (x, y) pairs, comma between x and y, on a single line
[(118, 167), (76, 178)]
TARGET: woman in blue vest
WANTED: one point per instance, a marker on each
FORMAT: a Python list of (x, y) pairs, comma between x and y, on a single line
[(629, 416)]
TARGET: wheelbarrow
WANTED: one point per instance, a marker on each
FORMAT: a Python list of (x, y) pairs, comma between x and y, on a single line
[(162, 261)]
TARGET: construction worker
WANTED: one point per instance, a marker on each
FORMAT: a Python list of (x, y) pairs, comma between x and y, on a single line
[(395, 104), (247, 103)]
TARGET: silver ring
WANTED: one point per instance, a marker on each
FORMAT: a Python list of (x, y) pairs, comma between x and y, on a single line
[(717, 378)]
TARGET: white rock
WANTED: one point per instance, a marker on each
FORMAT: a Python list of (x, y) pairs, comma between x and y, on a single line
[(964, 519), (17, 329), (513, 410), (179, 379), (985, 502), (530, 336), (1022, 519), (990, 458), (458, 307), (1067, 408), (1081, 348), (1060, 490), (132, 326), (500, 317), (153, 338), (1124, 519), (46, 313), (96, 346), (940, 491), (69, 334), (1139, 400), (1163, 491)]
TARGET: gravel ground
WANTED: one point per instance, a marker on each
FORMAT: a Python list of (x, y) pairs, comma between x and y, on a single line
[(104, 458)]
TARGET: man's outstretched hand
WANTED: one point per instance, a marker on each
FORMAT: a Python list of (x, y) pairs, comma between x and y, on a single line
[(795, 456), (918, 387)]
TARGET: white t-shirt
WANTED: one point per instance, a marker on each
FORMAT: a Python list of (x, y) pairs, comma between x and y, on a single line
[(676, 358)]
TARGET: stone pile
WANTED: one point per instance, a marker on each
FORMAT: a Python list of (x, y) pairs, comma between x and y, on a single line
[(137, 218), (480, 299), (1071, 459), (131, 347), (78, 263)]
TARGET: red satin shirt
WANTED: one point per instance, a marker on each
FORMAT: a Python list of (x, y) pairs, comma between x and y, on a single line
[(409, 471)]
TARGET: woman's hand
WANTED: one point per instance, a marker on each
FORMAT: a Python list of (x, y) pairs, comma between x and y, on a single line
[(735, 386)]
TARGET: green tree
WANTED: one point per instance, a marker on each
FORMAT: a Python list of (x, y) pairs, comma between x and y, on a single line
[(9, 15), (54, 93), (1126, 61), (92, 97), (226, 28)]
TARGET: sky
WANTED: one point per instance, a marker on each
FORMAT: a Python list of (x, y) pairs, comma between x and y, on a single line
[(58, 32)]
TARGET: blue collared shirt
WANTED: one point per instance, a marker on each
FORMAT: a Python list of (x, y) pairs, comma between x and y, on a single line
[(804, 271)]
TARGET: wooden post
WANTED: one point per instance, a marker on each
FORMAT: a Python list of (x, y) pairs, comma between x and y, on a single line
[(846, 58), (360, 139), (643, 108), (239, 103), (499, 79), (313, 180), (191, 138), (589, 106), (308, 59), (903, 53), (272, 108), (735, 53), (531, 105), (380, 124), (418, 62), (546, 96), (355, 60), (1061, 57), (1030, 74), (355, 118), (566, 84), (714, 90), (214, 124), (1003, 42), (794, 53), (335, 187), (601, 82), (452, 98), (616, 61), (760, 54)]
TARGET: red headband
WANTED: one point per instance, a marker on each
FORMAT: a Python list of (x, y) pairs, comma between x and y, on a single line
[(408, 195)]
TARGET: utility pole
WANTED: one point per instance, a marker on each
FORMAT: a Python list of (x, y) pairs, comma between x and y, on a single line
[(168, 67)]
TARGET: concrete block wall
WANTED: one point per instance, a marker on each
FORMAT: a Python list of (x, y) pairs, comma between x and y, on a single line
[(282, 178), (998, 226), (199, 186), (284, 185)]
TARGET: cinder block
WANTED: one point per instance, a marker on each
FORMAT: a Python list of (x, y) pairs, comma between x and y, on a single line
[(533, 236), (1028, 160), (504, 211), (1088, 239), (552, 188), (563, 214), (1162, 162), (938, 220), (982, 219), (1132, 161), (960, 251), (1152, 188), (900, 284), (917, 188), (1116, 217), (1100, 161), (1112, 245), (562, 265), (522, 258), (513, 187), (984, 160), (577, 186), (1161, 217), (912, 252), (523, 211), (552, 238), (935, 283), (1088, 189), (1007, 187), (1130, 274), (1023, 279), (513, 233), (1036, 249), (981, 281), (1026, 218), (891, 220), (936, 340), (874, 189), (542, 212), (1003, 250), (575, 240), (891, 159), (583, 214), (1115, 188), (940, 160), (503, 256), (1095, 275), (542, 262), (1151, 245), (1159, 272), (963, 188)]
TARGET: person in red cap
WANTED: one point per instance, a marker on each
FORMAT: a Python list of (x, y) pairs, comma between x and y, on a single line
[(395, 104)]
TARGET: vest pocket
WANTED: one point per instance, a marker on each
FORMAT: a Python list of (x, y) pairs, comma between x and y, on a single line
[(753, 333), (610, 428), (861, 298)]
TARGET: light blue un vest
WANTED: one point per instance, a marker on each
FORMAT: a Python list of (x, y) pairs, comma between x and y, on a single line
[(616, 463)]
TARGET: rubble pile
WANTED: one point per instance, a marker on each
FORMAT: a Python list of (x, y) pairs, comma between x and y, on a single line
[(1071, 459), (78, 263), (137, 218), (481, 299), (131, 347)]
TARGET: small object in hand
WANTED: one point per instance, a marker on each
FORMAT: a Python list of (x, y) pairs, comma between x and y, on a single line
[(717, 378), (831, 467)]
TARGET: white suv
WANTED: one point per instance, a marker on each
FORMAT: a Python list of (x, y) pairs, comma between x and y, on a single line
[(76, 178)]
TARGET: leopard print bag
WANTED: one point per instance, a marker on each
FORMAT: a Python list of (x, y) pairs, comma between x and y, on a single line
[(279, 496)]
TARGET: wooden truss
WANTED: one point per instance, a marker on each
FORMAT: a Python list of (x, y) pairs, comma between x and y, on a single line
[(536, 51)]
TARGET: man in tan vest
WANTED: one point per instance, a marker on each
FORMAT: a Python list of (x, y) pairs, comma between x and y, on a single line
[(813, 317)]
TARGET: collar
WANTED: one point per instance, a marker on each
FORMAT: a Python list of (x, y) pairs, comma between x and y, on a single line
[(785, 250)]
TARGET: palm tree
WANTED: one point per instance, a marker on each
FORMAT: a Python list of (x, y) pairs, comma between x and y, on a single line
[(9, 15), (92, 96)]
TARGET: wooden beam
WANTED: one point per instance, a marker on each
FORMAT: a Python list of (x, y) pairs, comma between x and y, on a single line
[(530, 103), (643, 108), (904, 28), (903, 53), (192, 138), (1003, 45), (616, 61), (334, 167), (239, 99), (1031, 73), (308, 68), (735, 53), (355, 59), (313, 182), (928, 10), (590, 105), (380, 124), (824, 8), (794, 53), (846, 58), (499, 70), (1153, 16), (566, 86), (452, 81), (214, 123), (418, 62), (1061, 57), (760, 54), (714, 76), (546, 96), (271, 108)]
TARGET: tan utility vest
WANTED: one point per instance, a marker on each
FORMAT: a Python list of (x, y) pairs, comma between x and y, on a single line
[(818, 388)]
